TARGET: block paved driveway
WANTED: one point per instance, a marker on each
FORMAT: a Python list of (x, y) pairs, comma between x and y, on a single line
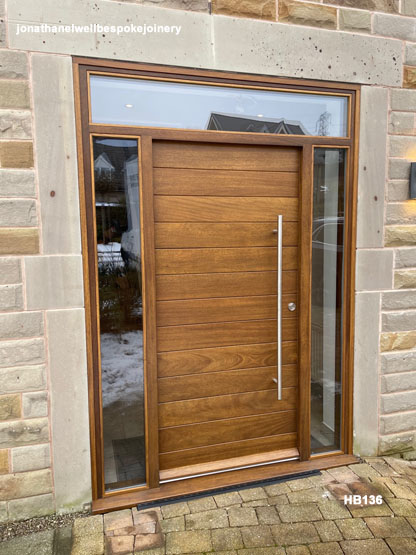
[(296, 517)]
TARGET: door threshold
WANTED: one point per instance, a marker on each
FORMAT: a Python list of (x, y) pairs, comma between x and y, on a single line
[(200, 484), (228, 465)]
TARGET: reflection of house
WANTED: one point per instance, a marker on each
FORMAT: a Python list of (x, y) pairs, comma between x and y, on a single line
[(103, 166), (227, 122)]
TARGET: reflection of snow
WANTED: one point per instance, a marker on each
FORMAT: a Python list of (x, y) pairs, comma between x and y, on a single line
[(109, 254), (122, 367)]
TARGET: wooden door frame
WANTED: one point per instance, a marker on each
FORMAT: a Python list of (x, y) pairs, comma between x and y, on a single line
[(82, 67)]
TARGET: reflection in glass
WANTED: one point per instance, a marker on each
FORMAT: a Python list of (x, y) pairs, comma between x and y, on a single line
[(327, 289), (149, 103), (121, 319)]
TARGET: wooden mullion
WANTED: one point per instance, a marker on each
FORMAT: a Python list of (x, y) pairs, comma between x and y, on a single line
[(149, 301), (305, 275)]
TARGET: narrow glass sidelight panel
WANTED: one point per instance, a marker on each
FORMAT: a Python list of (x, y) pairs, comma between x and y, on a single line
[(327, 295), (148, 103), (117, 205)]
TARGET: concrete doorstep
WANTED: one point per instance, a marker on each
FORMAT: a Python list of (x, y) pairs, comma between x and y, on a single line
[(368, 508)]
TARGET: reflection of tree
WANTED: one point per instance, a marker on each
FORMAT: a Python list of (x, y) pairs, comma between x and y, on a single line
[(323, 124)]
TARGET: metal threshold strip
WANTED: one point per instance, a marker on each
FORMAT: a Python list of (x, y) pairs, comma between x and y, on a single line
[(188, 477)]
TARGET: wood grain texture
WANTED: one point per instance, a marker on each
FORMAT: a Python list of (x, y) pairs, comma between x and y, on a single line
[(198, 336), (202, 286), (198, 235), (224, 382), (225, 406), (202, 261), (223, 431), (224, 451), (224, 209), (199, 311), (224, 157), (216, 359), (168, 181)]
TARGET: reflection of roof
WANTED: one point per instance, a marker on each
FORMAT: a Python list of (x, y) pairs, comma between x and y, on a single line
[(102, 162), (252, 124)]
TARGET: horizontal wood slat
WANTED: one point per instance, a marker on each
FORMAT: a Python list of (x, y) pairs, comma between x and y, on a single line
[(223, 431), (200, 235), (224, 209), (198, 336), (222, 156), (201, 261), (179, 363), (222, 383), (203, 286), (199, 311), (174, 181), (243, 448), (225, 406)]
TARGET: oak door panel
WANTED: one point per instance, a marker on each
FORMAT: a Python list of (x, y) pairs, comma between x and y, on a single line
[(216, 359), (198, 336), (236, 429), (222, 383), (202, 286), (197, 235), (223, 451), (225, 406), (167, 181), (168, 154)]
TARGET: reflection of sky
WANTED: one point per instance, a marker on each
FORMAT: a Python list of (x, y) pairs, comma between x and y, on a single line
[(177, 105)]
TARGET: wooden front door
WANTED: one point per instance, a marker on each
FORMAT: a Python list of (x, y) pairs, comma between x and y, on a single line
[(215, 210)]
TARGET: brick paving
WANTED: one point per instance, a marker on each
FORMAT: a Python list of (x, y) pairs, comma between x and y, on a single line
[(298, 517)]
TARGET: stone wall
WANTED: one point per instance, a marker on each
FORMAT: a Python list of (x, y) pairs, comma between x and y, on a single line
[(43, 414)]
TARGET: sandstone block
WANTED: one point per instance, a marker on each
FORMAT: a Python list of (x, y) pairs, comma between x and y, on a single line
[(189, 5), (17, 183), (398, 362), (403, 100), (402, 123), (18, 212), (14, 94), (18, 325), (397, 341), (256, 9), (410, 54), (398, 402), (409, 77), (398, 191), (307, 14), (408, 8), (4, 461), (15, 124), (13, 64), (397, 423), (405, 279), (26, 378), (39, 505), (19, 241), (24, 432), (35, 404), (16, 154), (355, 20), (10, 271), (399, 169), (394, 26), (10, 407), (388, 6), (25, 484), (21, 352), (11, 298), (401, 147), (3, 512), (32, 457), (405, 258), (398, 299), (396, 236), (399, 321)]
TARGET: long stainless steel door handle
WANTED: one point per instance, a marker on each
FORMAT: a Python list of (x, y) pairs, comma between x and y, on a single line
[(279, 305)]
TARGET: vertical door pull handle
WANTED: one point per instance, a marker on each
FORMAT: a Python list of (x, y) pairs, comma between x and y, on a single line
[(279, 305)]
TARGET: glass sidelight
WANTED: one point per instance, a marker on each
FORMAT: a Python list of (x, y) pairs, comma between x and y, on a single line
[(327, 294), (117, 207)]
